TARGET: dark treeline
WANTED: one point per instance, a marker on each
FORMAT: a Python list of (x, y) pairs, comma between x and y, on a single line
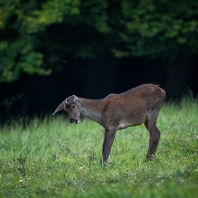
[(52, 49)]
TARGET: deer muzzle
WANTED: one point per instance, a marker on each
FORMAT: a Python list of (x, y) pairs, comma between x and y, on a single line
[(76, 120)]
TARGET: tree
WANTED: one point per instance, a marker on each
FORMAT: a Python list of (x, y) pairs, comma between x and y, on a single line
[(35, 35), (158, 28), (21, 23)]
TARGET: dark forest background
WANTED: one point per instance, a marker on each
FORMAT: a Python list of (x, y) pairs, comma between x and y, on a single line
[(51, 49)]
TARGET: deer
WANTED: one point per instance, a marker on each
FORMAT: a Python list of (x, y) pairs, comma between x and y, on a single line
[(139, 105)]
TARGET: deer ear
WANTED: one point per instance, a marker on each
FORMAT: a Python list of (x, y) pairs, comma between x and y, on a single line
[(75, 98), (59, 108), (71, 99)]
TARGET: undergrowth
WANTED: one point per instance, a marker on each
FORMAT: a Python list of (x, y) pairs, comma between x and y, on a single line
[(51, 158)]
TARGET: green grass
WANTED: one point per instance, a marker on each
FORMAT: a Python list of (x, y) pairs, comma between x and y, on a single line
[(51, 158)]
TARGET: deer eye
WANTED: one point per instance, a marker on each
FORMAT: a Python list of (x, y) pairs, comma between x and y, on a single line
[(73, 106)]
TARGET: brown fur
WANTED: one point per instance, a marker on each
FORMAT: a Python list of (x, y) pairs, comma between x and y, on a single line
[(139, 105)]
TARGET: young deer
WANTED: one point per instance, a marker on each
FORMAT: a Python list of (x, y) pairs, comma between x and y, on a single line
[(139, 105)]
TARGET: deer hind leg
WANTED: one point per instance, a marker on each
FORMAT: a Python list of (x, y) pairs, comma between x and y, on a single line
[(150, 124), (107, 143)]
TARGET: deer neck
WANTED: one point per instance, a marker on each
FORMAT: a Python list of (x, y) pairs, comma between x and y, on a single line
[(92, 109)]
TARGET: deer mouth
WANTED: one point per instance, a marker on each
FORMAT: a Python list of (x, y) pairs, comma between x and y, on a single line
[(76, 121)]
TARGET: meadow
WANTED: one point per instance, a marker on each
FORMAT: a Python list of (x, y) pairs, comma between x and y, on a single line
[(49, 157)]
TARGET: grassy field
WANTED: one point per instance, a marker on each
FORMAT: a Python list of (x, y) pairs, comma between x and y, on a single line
[(52, 158)]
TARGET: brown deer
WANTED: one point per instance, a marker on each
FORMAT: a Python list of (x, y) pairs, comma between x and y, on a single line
[(139, 105)]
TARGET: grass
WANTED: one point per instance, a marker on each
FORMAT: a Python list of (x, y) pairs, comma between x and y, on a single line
[(51, 158)]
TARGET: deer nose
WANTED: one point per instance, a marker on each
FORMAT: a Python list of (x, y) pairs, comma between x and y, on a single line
[(77, 120), (71, 120)]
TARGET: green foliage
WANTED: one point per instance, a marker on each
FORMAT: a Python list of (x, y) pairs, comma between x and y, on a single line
[(20, 23), (29, 41), (159, 28), (51, 158)]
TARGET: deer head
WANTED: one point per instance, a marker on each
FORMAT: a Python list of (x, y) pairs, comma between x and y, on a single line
[(72, 106)]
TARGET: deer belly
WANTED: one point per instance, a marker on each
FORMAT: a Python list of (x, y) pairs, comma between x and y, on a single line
[(125, 124)]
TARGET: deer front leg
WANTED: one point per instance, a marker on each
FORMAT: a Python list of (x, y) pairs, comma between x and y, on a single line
[(107, 143)]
